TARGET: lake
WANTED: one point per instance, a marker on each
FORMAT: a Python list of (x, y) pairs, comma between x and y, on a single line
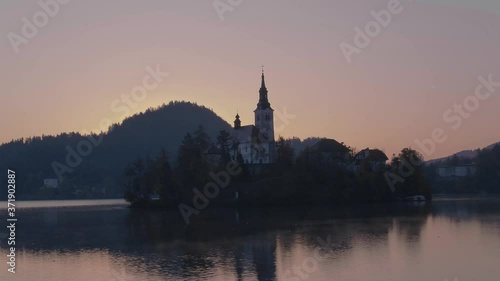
[(449, 239)]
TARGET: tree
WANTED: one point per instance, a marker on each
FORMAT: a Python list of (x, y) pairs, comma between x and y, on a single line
[(284, 153), (224, 143), (408, 175), (135, 186), (191, 169), (186, 152), (185, 156), (488, 165), (201, 139)]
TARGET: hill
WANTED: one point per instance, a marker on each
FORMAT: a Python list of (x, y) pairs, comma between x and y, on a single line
[(143, 134), (464, 154)]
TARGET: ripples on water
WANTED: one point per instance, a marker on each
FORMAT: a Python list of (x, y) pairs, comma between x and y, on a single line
[(104, 240)]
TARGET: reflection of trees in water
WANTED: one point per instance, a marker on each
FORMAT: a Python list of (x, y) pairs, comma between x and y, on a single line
[(264, 257), (466, 209), (409, 223), (483, 211), (207, 244), (354, 224), (242, 242), (409, 230), (252, 255), (250, 251), (337, 236), (70, 228)]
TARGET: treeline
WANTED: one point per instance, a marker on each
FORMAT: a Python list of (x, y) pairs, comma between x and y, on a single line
[(173, 180), (302, 180), (294, 178), (488, 165)]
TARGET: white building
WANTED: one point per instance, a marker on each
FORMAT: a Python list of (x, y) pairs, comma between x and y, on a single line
[(255, 143), (464, 170)]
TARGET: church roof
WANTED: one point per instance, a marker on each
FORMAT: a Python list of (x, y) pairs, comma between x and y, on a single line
[(246, 134)]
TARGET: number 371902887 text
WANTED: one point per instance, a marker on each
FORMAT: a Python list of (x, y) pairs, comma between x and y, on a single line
[(11, 196)]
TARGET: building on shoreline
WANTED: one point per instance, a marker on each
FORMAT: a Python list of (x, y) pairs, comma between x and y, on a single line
[(457, 171)]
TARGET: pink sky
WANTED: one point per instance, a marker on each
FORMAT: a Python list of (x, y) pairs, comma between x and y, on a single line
[(394, 92)]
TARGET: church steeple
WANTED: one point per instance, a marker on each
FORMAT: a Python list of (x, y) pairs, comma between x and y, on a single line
[(263, 101)]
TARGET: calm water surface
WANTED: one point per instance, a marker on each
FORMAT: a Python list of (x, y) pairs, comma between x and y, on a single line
[(104, 240)]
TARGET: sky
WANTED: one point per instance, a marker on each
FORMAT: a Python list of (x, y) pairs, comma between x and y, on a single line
[(400, 89)]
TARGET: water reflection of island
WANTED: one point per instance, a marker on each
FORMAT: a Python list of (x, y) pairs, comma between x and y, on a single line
[(253, 244)]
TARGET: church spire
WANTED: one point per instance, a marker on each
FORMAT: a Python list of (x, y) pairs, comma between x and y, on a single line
[(263, 102), (263, 83)]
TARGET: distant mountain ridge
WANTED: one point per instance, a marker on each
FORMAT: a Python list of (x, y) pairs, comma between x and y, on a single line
[(464, 154)]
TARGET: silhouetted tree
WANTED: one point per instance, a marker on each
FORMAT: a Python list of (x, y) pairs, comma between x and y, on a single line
[(135, 186), (191, 170), (488, 165), (284, 153), (224, 142), (201, 139), (409, 178)]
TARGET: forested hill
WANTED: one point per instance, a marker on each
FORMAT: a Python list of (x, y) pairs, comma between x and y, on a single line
[(142, 135)]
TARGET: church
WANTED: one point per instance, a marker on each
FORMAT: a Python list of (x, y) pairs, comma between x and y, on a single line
[(256, 143)]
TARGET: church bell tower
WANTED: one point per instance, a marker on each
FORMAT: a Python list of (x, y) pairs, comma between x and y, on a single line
[(264, 120)]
